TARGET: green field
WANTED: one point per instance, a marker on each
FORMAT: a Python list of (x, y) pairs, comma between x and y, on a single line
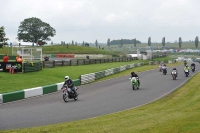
[(176, 113)]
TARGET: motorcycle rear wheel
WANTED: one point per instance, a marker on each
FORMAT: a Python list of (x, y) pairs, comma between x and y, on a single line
[(76, 98)]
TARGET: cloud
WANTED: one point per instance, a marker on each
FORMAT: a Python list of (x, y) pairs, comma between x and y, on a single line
[(88, 20)]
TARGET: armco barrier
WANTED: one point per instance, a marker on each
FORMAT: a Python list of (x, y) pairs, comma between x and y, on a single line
[(31, 92), (49, 88), (13, 96), (76, 82), (1, 99), (59, 85)]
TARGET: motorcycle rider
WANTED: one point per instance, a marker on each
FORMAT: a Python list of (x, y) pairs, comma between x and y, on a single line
[(133, 74), (185, 62), (160, 66), (187, 68), (70, 84), (174, 69), (193, 65), (164, 67)]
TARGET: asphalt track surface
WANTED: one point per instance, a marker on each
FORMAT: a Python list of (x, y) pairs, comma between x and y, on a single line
[(94, 100)]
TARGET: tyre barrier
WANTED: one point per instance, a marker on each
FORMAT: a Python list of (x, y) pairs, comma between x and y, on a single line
[(87, 78)]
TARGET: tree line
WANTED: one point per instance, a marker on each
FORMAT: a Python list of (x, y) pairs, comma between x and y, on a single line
[(36, 31)]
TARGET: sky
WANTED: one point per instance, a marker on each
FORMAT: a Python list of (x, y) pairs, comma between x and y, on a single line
[(91, 20)]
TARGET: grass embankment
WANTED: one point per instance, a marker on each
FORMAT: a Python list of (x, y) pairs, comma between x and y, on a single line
[(62, 49), (175, 113)]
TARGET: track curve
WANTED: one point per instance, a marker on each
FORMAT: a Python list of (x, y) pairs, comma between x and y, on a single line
[(94, 100)]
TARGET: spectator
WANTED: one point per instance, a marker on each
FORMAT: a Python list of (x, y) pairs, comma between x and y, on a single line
[(17, 57), (5, 58)]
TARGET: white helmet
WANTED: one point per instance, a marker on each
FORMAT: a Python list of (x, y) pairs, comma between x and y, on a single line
[(66, 78)]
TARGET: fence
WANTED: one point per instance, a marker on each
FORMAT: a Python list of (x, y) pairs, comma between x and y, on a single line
[(32, 67), (75, 62)]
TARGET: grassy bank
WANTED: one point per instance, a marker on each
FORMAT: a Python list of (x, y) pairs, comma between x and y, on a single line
[(177, 112), (62, 49)]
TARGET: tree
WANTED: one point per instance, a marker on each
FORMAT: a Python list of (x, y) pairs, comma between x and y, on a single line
[(135, 42), (96, 43), (108, 42), (83, 43), (125, 41), (72, 42), (163, 41), (121, 42), (149, 41), (196, 41), (180, 42), (33, 29), (2, 37)]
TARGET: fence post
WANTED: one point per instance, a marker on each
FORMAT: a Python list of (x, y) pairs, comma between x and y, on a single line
[(62, 62), (70, 62), (43, 64), (54, 63)]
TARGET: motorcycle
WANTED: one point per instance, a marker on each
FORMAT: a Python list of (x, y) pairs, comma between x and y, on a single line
[(174, 75), (69, 94), (186, 73), (46, 58), (193, 68), (164, 70), (135, 84), (160, 68)]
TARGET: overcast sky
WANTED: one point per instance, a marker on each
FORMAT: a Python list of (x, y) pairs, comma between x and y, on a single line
[(88, 20)]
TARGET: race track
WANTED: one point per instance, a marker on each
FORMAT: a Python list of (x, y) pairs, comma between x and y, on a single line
[(94, 100)]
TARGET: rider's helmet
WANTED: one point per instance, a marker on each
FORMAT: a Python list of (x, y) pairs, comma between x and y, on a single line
[(174, 68), (164, 65), (66, 78), (186, 65)]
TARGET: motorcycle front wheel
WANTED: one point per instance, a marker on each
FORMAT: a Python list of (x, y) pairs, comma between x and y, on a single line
[(65, 97), (174, 77), (133, 86)]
